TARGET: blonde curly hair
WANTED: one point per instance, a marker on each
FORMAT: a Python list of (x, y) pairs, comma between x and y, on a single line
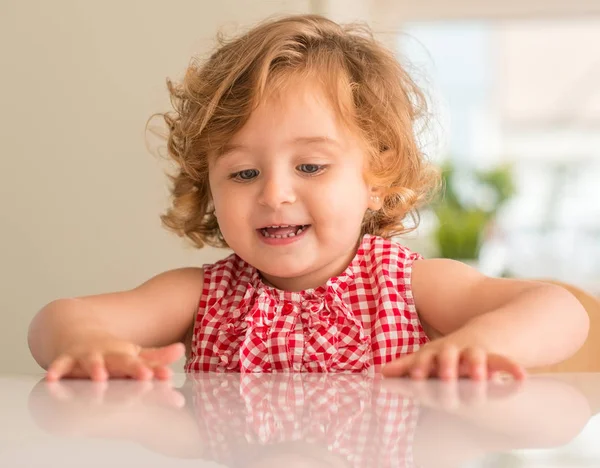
[(370, 90)]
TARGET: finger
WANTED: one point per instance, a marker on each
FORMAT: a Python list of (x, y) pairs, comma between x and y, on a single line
[(422, 365), (476, 363), (61, 366), (163, 356), (398, 367), (497, 363), (463, 368), (163, 372), (120, 365), (94, 366), (447, 363), (140, 371)]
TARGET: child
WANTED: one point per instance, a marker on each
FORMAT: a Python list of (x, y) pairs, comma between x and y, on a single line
[(295, 148)]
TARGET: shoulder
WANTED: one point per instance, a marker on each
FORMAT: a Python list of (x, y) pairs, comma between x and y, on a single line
[(228, 273), (165, 304), (180, 285), (230, 263), (436, 272), (175, 279), (382, 251)]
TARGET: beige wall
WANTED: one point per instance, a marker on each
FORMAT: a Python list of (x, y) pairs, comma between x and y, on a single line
[(79, 193)]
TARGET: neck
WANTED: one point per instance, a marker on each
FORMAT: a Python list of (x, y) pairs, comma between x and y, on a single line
[(314, 278)]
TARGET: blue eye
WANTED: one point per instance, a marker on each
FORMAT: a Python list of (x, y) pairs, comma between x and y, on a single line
[(310, 168), (247, 174)]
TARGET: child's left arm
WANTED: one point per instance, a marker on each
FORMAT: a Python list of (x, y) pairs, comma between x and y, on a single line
[(479, 325)]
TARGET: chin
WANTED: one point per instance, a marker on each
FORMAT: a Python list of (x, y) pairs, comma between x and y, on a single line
[(285, 270), (281, 272)]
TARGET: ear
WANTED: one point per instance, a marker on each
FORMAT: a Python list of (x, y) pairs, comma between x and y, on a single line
[(375, 198)]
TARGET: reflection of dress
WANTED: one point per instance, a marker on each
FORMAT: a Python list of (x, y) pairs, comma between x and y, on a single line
[(362, 318), (244, 417)]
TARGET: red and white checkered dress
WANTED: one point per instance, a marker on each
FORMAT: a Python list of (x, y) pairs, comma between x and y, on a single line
[(357, 321)]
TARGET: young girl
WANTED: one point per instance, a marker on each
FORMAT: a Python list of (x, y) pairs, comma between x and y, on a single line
[(295, 147)]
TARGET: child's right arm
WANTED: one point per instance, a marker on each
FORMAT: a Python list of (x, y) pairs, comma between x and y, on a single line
[(135, 333)]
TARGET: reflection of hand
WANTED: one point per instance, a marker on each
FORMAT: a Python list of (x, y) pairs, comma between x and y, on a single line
[(455, 395), (473, 418), (104, 357), (148, 412), (448, 360), (587, 383), (366, 420)]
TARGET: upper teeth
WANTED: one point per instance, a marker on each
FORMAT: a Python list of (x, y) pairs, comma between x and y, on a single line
[(297, 231), (282, 226)]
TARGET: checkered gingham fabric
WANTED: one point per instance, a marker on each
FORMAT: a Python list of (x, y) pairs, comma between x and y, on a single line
[(245, 419), (356, 322)]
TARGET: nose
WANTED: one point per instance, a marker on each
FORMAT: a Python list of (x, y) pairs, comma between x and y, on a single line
[(276, 190)]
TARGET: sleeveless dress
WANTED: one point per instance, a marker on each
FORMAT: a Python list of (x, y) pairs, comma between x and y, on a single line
[(356, 322)]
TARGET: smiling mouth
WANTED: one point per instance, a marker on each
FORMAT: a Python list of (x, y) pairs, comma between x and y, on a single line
[(283, 231)]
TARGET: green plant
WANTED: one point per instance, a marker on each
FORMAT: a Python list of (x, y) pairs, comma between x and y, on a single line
[(470, 201)]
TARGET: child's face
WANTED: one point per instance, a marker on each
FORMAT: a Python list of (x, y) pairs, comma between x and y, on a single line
[(292, 164)]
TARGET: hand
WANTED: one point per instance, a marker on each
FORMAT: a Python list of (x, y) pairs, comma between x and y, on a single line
[(105, 357), (449, 360)]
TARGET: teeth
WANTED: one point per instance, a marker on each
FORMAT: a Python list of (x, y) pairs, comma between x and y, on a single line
[(279, 236)]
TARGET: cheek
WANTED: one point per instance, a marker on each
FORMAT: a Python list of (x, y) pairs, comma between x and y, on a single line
[(223, 203), (232, 207), (345, 200)]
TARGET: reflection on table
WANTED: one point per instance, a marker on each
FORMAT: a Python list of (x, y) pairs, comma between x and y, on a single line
[(323, 420)]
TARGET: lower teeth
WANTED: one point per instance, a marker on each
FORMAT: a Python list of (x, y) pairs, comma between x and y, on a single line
[(278, 236)]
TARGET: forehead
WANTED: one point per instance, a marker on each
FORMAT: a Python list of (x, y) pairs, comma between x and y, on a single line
[(297, 110)]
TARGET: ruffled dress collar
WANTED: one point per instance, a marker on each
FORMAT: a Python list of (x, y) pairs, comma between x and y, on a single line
[(314, 330)]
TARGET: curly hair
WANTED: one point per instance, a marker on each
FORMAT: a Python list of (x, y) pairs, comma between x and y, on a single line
[(371, 92)]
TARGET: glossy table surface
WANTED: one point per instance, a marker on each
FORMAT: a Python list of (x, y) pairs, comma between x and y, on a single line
[(300, 420)]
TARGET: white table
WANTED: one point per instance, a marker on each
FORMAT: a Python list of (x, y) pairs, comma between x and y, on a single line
[(300, 420)]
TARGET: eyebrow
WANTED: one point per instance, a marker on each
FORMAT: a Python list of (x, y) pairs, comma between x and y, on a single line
[(309, 140)]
